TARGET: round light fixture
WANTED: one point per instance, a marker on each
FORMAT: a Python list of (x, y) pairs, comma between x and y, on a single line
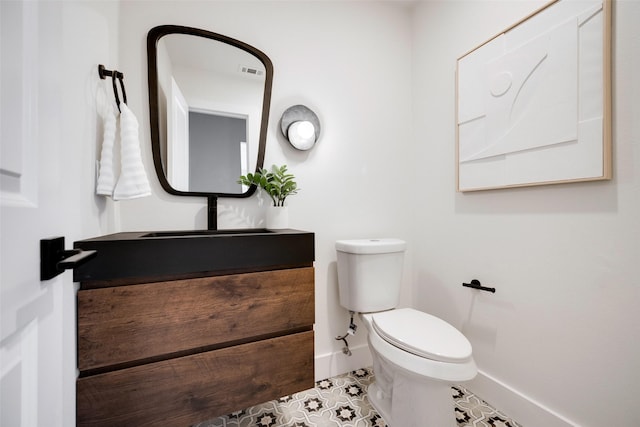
[(302, 134), (300, 126)]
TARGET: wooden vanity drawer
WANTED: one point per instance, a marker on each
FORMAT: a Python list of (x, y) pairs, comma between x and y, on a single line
[(191, 389), (122, 326)]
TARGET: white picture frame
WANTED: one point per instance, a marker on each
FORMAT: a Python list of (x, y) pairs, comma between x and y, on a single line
[(533, 103)]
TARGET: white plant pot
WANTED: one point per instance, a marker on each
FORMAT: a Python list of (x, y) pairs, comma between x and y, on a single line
[(277, 217)]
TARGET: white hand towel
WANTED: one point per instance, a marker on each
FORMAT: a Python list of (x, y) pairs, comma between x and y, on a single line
[(133, 182), (106, 172)]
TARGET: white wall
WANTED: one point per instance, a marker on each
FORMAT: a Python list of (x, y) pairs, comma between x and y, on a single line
[(560, 334), (351, 63)]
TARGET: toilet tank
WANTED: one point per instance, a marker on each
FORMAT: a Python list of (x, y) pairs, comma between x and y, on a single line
[(370, 273)]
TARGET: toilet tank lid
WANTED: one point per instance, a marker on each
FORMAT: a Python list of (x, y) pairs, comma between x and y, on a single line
[(371, 246)]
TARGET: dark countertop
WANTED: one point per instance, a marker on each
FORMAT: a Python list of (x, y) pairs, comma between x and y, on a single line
[(147, 256)]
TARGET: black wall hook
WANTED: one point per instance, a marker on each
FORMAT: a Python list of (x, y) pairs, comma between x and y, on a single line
[(475, 284), (115, 90), (114, 74), (54, 259), (104, 73)]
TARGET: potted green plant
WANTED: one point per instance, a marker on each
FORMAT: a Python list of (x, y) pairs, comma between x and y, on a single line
[(279, 184)]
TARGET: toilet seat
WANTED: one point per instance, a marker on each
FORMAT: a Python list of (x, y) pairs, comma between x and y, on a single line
[(422, 334), (417, 366)]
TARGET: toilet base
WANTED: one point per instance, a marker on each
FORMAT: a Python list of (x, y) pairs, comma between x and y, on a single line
[(381, 405), (415, 402)]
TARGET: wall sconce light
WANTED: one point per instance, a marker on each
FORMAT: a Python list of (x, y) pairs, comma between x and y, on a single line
[(300, 126)]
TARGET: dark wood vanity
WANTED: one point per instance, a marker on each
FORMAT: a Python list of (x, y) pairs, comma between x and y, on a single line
[(187, 345)]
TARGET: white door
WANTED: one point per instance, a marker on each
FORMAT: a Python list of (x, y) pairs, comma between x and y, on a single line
[(20, 292), (178, 139), (39, 192)]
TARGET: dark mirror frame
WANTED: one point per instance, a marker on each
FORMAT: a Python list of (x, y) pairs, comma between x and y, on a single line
[(154, 36)]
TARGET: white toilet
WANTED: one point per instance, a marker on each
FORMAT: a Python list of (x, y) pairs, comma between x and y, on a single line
[(416, 356)]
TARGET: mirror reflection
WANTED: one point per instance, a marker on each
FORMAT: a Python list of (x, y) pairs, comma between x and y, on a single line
[(209, 101)]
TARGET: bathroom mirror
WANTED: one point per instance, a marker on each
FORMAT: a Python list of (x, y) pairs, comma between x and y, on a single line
[(209, 99)]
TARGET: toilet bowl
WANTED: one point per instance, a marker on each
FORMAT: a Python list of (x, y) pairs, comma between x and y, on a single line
[(412, 377), (416, 356), (421, 343)]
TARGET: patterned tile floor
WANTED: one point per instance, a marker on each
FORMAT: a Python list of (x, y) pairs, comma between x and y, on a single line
[(342, 401)]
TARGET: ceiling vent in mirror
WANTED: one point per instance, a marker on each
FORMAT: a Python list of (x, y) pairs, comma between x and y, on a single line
[(244, 69)]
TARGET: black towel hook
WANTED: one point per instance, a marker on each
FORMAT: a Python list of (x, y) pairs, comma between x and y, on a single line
[(115, 90), (114, 74), (124, 93), (104, 73)]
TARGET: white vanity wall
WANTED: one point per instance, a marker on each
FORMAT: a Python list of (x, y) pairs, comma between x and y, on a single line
[(350, 62)]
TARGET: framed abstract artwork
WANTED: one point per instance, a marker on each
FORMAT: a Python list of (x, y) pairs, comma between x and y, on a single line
[(534, 102)]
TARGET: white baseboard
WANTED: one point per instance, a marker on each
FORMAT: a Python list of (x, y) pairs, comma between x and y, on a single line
[(332, 364), (515, 405), (521, 408)]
